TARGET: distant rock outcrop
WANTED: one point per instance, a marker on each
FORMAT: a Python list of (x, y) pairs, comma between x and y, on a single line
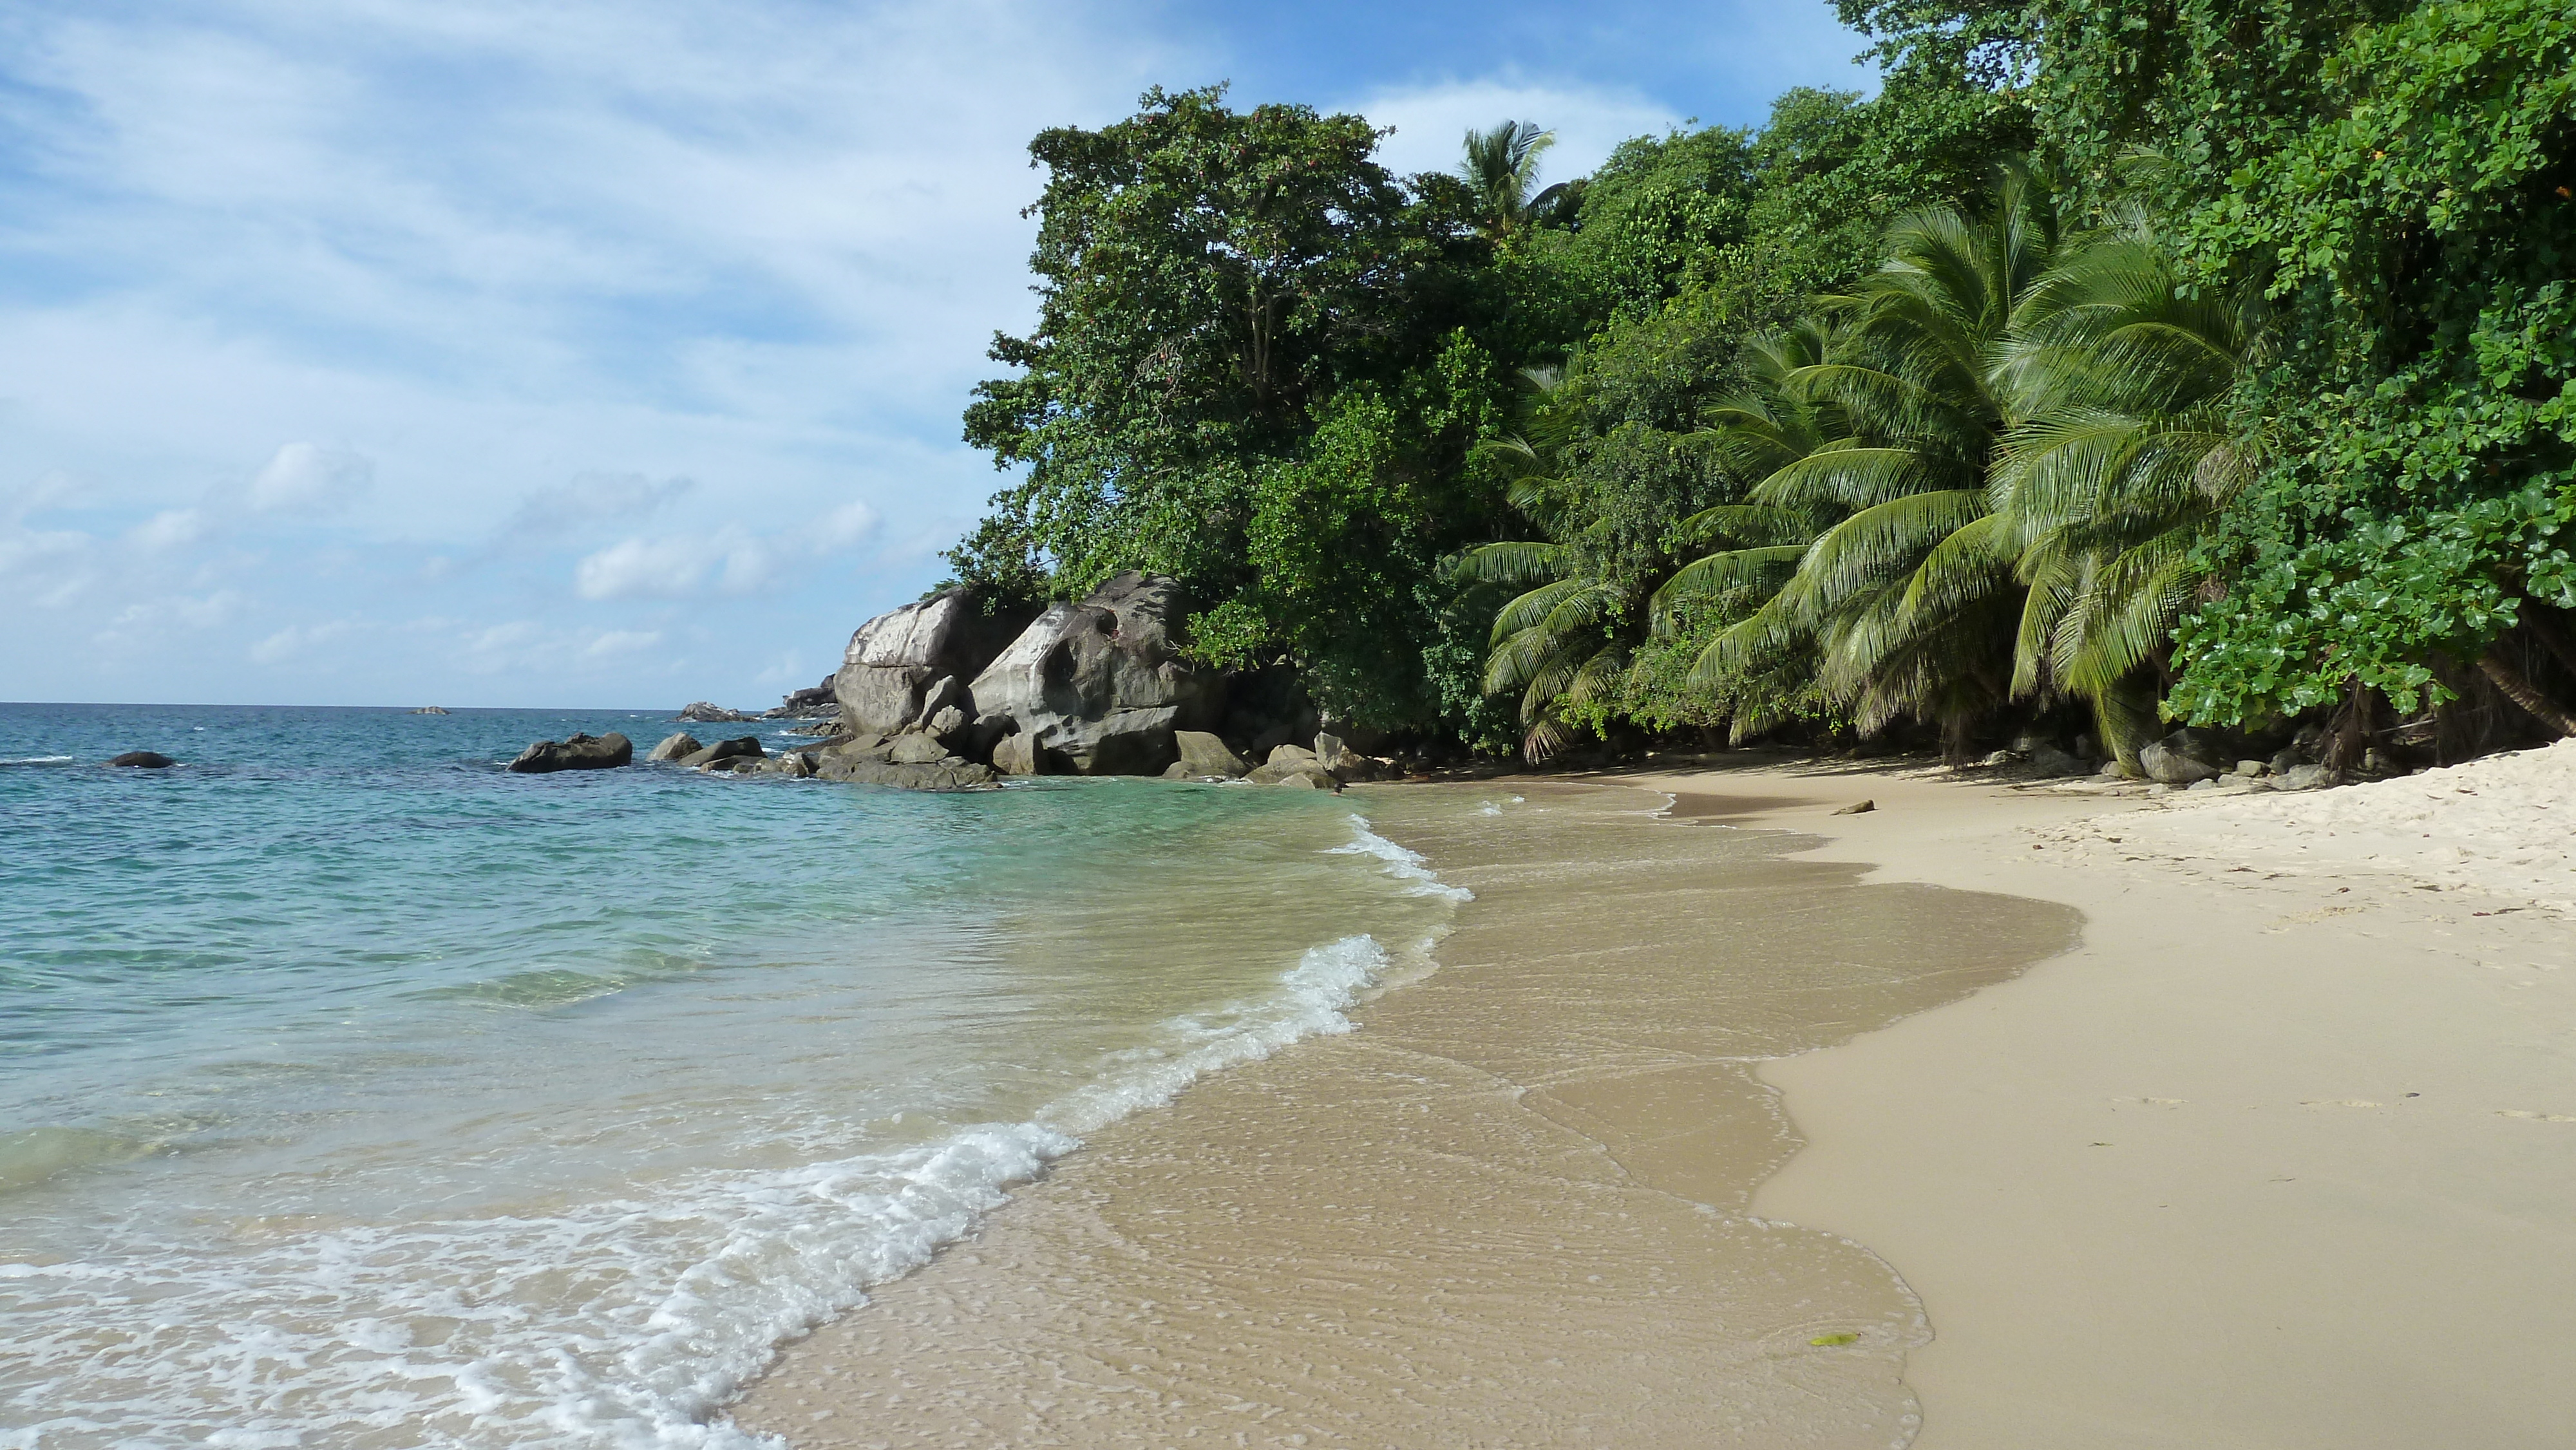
[(814, 702), (575, 752), (1098, 687), (896, 661), (430, 710), (702, 712), (144, 760)]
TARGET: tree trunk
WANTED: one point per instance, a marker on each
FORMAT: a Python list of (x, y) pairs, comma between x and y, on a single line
[(2544, 629), (2521, 691)]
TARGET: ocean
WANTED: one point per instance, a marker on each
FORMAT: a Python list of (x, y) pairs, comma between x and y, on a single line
[(355, 1092)]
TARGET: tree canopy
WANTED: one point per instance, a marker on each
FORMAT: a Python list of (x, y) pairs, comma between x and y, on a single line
[(2156, 360)]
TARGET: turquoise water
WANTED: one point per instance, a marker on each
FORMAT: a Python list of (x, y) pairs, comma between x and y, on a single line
[(355, 1092)]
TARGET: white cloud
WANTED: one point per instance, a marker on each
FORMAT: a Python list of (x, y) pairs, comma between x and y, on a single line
[(849, 524), (170, 529), (730, 560), (622, 642), (311, 477), (590, 499), (727, 561)]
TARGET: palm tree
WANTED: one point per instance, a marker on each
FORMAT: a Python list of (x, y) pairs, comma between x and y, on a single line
[(1560, 640), (1501, 166), (2123, 461), (1904, 594)]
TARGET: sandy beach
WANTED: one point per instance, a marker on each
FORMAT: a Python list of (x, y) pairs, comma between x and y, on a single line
[(1755, 1124), (2277, 1157)]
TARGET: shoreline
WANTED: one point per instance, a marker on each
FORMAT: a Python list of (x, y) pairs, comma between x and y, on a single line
[(2163, 1189), (1510, 1209)]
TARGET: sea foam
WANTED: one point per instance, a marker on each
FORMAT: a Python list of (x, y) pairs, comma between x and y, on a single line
[(1400, 863)]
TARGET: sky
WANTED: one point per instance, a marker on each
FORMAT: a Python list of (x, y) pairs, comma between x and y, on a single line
[(609, 352)]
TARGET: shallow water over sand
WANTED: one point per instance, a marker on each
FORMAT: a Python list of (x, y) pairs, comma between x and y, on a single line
[(354, 1092), (1509, 1210)]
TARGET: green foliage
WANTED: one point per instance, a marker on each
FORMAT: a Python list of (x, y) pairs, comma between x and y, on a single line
[(2254, 382), (2419, 236), (1254, 369)]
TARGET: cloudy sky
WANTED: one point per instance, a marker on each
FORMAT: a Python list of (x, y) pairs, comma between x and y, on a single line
[(593, 353)]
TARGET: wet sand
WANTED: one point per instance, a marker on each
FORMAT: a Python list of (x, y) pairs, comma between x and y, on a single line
[(1511, 1209)]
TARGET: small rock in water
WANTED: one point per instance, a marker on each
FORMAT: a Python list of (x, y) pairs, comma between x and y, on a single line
[(430, 710), (144, 760), (575, 752), (739, 746), (675, 746), (1857, 808)]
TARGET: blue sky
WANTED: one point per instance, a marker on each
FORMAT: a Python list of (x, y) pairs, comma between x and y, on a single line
[(593, 353)]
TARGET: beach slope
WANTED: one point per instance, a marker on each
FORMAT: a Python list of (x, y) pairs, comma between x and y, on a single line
[(2282, 1155)]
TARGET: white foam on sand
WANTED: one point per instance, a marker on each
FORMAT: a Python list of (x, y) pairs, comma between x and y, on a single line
[(1402, 864)]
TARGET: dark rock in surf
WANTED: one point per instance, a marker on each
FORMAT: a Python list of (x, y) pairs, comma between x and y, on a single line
[(575, 752), (740, 747), (675, 746), (144, 760)]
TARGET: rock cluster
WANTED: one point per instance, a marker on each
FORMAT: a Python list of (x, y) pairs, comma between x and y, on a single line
[(951, 692), (703, 712)]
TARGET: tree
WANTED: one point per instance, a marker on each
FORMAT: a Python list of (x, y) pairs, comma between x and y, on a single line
[(1500, 168), (1254, 369)]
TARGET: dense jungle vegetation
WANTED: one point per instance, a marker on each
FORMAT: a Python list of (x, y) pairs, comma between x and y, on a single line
[(2118, 363)]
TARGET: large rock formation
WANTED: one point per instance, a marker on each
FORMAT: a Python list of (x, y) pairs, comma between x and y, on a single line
[(575, 752), (1097, 688), (897, 660)]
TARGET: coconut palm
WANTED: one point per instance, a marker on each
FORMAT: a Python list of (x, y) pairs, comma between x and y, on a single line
[(2123, 460), (1904, 594), (1501, 166), (1560, 640)]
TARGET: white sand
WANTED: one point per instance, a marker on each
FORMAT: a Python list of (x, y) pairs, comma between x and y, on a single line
[(2284, 1155), (2504, 826)]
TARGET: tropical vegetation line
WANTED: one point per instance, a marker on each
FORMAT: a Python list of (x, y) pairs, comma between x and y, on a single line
[(2116, 364)]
